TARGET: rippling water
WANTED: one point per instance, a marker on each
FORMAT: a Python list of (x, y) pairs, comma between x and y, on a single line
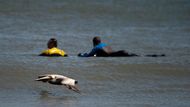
[(138, 26)]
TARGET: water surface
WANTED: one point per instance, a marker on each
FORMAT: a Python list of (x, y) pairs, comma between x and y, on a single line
[(138, 26)]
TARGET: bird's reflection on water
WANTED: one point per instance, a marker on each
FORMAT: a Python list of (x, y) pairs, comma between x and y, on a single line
[(51, 99)]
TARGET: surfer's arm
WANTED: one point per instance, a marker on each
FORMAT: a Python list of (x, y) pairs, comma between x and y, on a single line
[(92, 53)]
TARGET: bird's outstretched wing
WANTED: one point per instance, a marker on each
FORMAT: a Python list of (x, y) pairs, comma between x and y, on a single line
[(43, 78)]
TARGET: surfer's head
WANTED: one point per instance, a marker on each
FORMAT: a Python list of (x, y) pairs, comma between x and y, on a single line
[(52, 43), (96, 40)]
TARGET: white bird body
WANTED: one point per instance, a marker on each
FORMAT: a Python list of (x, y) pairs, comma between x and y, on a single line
[(59, 80)]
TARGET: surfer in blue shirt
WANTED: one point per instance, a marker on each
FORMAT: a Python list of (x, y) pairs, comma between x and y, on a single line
[(103, 50)]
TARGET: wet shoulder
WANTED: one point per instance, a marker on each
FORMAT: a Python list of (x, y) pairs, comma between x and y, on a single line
[(101, 45), (53, 52)]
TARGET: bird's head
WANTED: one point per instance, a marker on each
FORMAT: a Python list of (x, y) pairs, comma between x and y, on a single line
[(76, 82)]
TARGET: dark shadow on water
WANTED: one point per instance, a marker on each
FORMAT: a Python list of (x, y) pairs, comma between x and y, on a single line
[(46, 95)]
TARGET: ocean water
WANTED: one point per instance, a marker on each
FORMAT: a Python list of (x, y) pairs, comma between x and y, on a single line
[(137, 26)]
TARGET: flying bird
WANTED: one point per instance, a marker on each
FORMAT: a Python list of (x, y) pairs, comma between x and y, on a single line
[(56, 79)]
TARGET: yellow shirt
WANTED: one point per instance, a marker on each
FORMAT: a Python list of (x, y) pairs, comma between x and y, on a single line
[(53, 52)]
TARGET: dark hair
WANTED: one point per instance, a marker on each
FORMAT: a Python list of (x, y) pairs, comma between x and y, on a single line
[(96, 40), (53, 41)]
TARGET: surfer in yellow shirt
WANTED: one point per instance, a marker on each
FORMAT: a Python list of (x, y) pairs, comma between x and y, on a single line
[(52, 49)]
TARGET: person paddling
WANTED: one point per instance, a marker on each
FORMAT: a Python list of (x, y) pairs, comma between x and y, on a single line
[(103, 50), (52, 49)]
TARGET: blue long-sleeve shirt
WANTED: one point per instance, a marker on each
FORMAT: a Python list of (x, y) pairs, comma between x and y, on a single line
[(95, 50)]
